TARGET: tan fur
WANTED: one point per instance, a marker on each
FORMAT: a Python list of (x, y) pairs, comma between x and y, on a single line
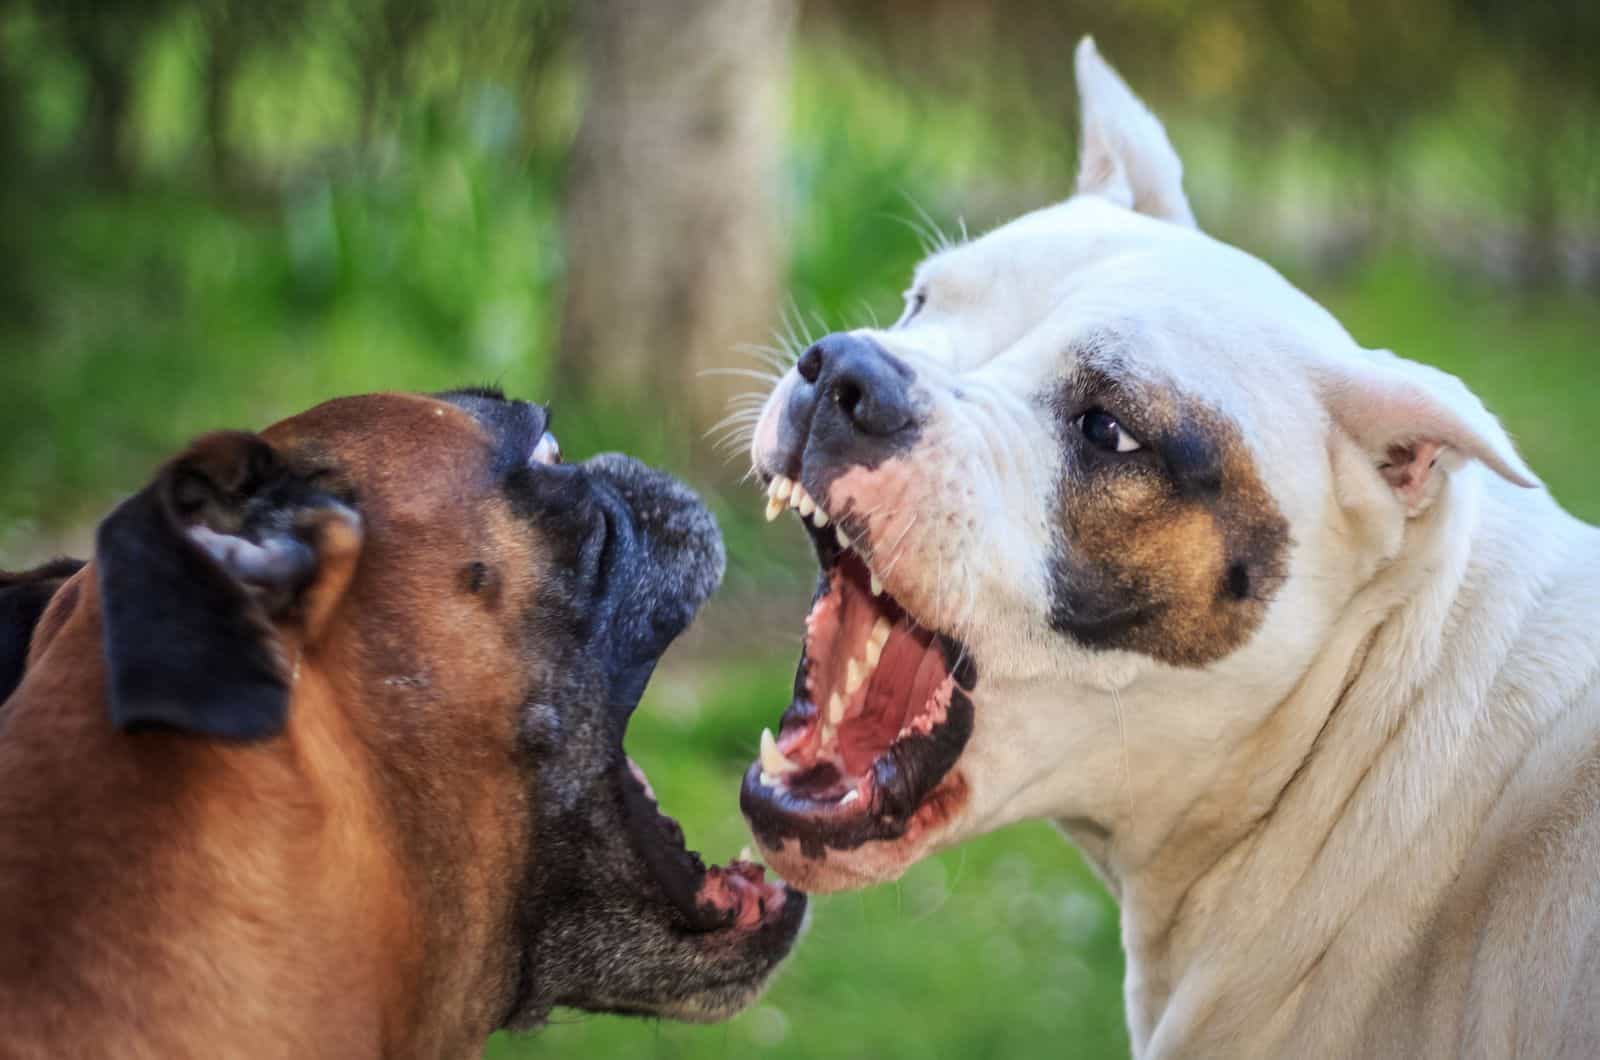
[(1171, 553)]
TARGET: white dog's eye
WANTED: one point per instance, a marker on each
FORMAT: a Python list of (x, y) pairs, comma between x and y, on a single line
[(546, 451), (1103, 430), (915, 300)]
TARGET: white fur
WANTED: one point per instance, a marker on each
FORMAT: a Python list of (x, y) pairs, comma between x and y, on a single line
[(1374, 828)]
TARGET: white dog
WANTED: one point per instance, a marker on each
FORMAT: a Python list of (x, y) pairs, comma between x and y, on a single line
[(1118, 528)]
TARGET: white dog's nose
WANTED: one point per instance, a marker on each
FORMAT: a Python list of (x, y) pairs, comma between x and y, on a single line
[(870, 389)]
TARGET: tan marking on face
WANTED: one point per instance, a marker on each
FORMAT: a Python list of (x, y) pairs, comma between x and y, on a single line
[(1195, 561)]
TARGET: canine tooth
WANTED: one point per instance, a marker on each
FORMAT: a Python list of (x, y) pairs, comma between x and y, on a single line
[(844, 538), (819, 517), (780, 488), (768, 780), (877, 586), (773, 761), (874, 651), (880, 631), (806, 505), (835, 709), (745, 853), (774, 508), (854, 674), (850, 796)]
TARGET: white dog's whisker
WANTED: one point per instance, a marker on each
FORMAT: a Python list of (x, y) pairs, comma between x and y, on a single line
[(743, 373)]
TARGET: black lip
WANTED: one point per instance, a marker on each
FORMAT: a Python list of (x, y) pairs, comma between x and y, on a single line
[(902, 778), (658, 840)]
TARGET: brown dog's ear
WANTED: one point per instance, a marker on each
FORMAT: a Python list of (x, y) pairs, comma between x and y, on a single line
[(199, 574)]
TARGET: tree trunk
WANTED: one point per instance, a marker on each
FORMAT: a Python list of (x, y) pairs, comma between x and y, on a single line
[(1539, 262), (222, 64), (106, 58), (671, 230)]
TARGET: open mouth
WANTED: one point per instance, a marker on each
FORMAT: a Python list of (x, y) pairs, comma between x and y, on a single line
[(880, 713), (734, 897)]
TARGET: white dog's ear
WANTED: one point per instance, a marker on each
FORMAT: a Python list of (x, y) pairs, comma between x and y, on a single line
[(1123, 153), (1409, 417)]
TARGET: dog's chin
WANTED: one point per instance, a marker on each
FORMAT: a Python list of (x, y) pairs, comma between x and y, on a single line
[(619, 914), (874, 862), (863, 776)]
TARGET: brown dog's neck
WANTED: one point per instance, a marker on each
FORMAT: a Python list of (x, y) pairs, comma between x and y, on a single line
[(183, 893)]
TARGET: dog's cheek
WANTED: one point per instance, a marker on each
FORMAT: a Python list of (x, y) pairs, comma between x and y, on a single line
[(1183, 576)]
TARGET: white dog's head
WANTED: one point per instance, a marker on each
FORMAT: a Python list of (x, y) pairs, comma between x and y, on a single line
[(1102, 462)]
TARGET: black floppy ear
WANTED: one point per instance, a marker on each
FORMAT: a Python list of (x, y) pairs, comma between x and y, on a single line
[(200, 572), (23, 598)]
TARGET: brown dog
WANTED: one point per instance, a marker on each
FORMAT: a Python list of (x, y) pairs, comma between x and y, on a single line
[(321, 755)]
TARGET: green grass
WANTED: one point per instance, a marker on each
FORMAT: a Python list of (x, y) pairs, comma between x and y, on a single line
[(1004, 947)]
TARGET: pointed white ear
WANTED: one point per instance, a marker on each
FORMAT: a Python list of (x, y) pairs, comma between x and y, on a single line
[(1123, 153), (1410, 417)]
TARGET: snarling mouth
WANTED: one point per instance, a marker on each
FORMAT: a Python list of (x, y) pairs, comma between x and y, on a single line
[(733, 897), (880, 712)]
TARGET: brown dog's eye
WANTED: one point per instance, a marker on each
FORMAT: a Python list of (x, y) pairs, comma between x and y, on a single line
[(546, 451), (1103, 430)]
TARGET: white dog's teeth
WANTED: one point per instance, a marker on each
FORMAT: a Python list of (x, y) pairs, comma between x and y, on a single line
[(850, 796), (819, 517), (806, 505), (768, 780), (796, 493), (842, 537), (781, 487), (835, 709), (877, 586), (874, 652), (880, 632), (854, 674), (773, 761), (774, 508)]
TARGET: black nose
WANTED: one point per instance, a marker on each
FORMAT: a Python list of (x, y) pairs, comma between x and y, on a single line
[(870, 388)]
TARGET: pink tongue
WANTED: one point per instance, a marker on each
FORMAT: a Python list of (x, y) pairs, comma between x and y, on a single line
[(906, 676), (740, 886)]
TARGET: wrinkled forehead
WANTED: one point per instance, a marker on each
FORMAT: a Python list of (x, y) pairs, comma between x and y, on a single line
[(374, 431), (1084, 288), (1089, 250), (406, 457)]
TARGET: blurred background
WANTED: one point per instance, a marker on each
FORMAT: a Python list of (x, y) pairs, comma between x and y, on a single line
[(214, 213)]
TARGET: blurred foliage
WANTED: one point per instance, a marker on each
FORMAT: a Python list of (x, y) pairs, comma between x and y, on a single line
[(215, 213)]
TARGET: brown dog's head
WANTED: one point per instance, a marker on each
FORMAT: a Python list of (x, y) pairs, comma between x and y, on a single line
[(481, 619)]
